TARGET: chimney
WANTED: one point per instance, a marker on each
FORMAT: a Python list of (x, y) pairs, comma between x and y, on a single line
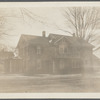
[(43, 34)]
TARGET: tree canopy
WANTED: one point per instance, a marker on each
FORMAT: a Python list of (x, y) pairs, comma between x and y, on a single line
[(83, 21)]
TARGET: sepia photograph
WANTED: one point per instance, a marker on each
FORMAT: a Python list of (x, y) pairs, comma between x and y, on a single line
[(49, 49)]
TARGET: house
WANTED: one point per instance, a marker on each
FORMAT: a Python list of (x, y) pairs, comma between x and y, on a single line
[(5, 59), (73, 55), (55, 54), (96, 64), (9, 63), (35, 54)]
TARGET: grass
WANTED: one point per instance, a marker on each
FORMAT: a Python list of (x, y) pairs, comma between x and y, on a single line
[(48, 83)]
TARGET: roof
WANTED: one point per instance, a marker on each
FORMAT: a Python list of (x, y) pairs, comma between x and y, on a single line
[(73, 40), (32, 39), (51, 39)]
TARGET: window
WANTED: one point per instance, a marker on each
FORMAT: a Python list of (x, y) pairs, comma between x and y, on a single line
[(77, 64), (61, 49), (39, 64), (74, 64), (23, 49), (38, 50), (62, 65), (66, 50)]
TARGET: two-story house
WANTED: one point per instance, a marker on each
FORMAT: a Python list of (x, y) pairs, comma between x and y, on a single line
[(67, 56), (35, 53), (54, 54)]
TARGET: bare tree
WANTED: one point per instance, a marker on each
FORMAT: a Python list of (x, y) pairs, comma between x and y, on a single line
[(3, 28), (82, 21)]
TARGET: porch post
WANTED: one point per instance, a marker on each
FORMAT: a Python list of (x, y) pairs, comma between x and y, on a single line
[(10, 66), (54, 69)]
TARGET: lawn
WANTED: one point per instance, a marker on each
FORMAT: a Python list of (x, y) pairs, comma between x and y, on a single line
[(49, 83)]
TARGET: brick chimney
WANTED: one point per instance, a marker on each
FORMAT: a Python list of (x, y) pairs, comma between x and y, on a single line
[(43, 34)]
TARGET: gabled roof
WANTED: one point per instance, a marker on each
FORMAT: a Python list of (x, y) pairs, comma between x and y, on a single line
[(73, 40), (55, 38), (85, 43), (51, 39), (32, 39)]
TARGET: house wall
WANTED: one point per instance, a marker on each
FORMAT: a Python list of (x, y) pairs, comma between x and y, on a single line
[(87, 59), (35, 61), (67, 58), (12, 66), (59, 58), (67, 66)]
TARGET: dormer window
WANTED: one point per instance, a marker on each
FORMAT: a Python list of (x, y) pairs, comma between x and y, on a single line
[(38, 50)]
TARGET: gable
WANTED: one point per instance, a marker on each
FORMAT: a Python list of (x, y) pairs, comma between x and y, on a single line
[(74, 41), (62, 41), (56, 38)]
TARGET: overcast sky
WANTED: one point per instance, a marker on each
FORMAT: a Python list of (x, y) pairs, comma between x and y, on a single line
[(17, 21)]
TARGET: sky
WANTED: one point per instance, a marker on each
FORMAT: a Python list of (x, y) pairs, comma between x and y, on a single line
[(17, 21)]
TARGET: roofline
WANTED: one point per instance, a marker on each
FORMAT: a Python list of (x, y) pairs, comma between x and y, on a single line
[(59, 35), (22, 35), (59, 39), (30, 35)]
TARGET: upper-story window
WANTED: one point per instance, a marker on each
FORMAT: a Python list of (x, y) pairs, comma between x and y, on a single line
[(61, 49), (66, 50), (38, 50)]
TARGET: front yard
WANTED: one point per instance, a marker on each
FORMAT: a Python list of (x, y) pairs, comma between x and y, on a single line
[(49, 83)]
